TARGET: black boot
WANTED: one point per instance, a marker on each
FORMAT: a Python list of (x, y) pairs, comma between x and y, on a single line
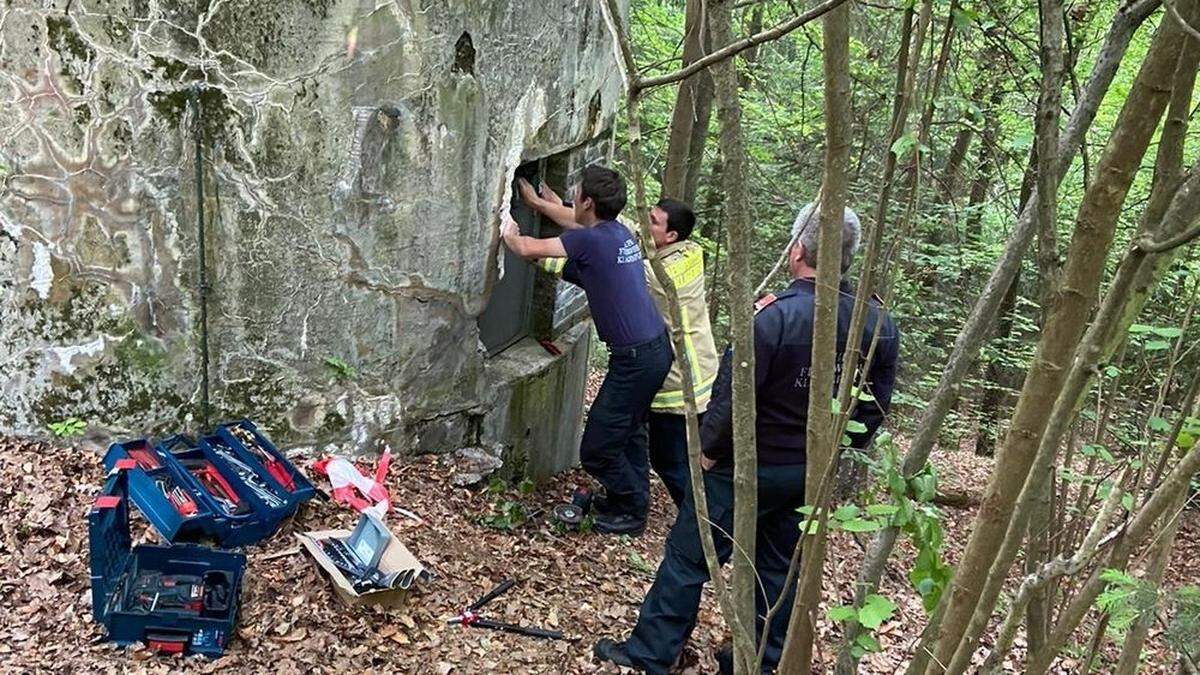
[(619, 523), (725, 660), (612, 652)]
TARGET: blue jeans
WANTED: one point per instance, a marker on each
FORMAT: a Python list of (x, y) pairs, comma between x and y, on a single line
[(669, 611), (613, 449)]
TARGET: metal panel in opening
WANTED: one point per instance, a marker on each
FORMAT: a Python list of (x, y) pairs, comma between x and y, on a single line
[(506, 318)]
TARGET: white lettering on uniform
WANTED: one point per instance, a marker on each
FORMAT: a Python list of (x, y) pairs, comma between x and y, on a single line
[(629, 252)]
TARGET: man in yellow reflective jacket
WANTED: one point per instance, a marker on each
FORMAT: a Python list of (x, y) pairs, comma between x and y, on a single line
[(671, 225)]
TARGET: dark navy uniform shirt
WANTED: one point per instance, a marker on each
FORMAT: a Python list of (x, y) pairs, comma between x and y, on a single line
[(606, 261), (782, 363)]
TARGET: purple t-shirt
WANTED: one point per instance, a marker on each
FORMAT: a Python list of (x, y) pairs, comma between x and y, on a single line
[(608, 264)]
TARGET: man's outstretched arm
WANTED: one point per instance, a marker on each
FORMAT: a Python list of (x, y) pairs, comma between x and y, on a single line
[(530, 248), (548, 203)]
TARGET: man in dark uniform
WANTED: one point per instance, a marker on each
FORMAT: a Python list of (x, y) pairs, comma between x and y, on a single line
[(783, 327), (605, 259)]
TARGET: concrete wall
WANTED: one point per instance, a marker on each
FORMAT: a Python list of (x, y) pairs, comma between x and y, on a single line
[(355, 156)]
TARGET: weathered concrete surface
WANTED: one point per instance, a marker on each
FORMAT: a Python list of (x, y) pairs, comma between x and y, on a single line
[(355, 156), (541, 430)]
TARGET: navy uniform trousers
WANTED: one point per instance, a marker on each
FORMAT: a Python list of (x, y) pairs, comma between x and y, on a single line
[(667, 443), (670, 608), (613, 449)]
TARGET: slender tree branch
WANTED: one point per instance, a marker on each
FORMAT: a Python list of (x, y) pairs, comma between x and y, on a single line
[(1170, 243), (1187, 27), (742, 45), (1049, 571)]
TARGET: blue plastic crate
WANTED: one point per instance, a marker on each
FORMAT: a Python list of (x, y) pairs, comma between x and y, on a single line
[(119, 602)]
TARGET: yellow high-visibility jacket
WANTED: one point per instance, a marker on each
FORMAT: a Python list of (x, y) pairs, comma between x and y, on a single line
[(684, 262)]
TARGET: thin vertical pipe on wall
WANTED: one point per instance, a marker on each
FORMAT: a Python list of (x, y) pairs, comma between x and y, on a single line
[(203, 258)]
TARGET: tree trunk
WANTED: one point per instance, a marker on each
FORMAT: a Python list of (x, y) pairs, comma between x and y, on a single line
[(997, 378), (1168, 212), (821, 443), (741, 321), (908, 55), (1095, 227), (1046, 128), (954, 161), (693, 105), (750, 56), (966, 346)]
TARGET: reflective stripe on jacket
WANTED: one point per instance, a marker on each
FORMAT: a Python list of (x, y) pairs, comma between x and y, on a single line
[(684, 262)]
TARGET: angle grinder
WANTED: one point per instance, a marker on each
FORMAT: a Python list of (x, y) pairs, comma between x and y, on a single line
[(572, 513)]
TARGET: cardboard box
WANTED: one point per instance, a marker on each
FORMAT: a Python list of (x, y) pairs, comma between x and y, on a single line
[(396, 558)]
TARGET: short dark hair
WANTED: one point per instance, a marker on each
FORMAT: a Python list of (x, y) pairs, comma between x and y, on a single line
[(606, 188), (681, 219)]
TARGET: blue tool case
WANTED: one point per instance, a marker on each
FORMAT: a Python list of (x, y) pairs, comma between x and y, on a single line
[(229, 488), (175, 599), (216, 489)]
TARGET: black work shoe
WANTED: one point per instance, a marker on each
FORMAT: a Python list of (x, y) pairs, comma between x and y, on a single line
[(601, 507), (725, 660), (613, 652), (618, 523)]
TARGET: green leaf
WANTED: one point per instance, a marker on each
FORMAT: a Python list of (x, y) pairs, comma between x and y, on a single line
[(863, 395), (856, 427), (639, 563), (867, 642), (1138, 328), (903, 144), (861, 525), (1159, 424), (1157, 345), (836, 406), (1185, 441), (810, 526), (1127, 501), (1115, 576), (875, 610), (339, 367), (882, 510), (843, 613), (1169, 333), (847, 512), (1112, 371), (924, 487)]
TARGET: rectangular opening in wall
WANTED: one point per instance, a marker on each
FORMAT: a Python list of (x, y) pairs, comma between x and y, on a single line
[(529, 302), (507, 316)]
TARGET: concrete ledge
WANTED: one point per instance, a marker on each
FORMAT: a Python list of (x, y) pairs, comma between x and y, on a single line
[(537, 414)]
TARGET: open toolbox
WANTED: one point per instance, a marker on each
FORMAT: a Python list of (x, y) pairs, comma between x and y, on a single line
[(175, 599), (232, 487)]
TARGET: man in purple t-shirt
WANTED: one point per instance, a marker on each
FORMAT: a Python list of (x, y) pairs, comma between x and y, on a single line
[(606, 261)]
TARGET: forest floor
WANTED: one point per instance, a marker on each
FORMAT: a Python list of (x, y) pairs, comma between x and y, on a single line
[(587, 585)]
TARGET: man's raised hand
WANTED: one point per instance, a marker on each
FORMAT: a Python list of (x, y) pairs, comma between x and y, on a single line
[(528, 194), (550, 195), (508, 228)]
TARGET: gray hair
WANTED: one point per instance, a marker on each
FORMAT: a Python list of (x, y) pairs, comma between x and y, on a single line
[(807, 225)]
